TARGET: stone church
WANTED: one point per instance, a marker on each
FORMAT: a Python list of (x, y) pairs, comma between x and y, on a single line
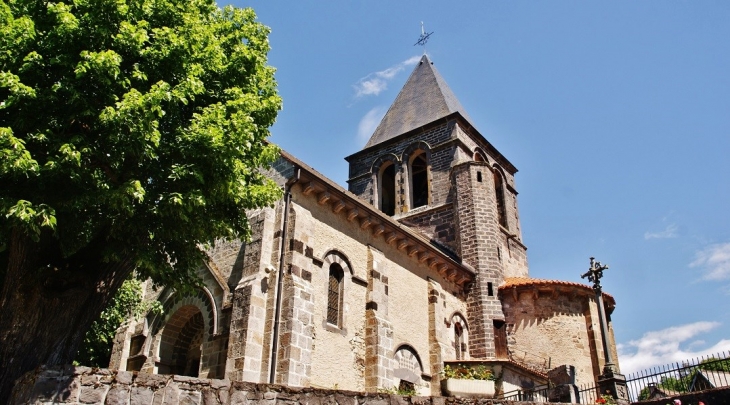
[(418, 264)]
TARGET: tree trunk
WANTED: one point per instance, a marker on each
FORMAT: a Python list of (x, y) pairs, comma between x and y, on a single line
[(48, 302)]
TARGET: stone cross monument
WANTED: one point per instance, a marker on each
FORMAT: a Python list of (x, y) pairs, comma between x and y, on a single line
[(610, 381)]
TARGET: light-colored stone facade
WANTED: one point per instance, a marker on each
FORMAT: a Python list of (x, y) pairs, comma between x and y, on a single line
[(332, 292)]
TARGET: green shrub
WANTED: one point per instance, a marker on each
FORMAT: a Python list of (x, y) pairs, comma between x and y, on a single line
[(468, 372)]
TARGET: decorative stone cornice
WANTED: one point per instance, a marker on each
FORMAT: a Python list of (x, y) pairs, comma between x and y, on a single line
[(551, 288)]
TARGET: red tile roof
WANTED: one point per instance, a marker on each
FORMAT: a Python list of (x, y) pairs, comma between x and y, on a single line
[(511, 282)]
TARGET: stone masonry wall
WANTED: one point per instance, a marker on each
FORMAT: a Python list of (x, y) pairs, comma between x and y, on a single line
[(83, 385), (554, 328), (479, 246), (436, 223), (360, 182)]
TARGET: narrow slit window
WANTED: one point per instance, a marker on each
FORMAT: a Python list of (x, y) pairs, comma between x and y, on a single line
[(499, 193), (334, 295), (459, 341)]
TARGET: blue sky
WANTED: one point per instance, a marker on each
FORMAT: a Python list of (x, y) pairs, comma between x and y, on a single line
[(617, 115)]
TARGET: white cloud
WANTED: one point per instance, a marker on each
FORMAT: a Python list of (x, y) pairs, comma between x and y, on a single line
[(714, 260), (662, 347), (669, 232), (369, 123), (375, 83)]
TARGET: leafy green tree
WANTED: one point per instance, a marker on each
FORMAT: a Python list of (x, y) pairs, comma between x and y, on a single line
[(671, 384), (97, 346), (132, 132)]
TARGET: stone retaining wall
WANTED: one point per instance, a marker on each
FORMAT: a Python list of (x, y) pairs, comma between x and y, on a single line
[(84, 385)]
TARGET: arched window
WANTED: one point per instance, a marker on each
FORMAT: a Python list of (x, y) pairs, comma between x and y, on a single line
[(479, 155), (334, 295), (386, 189), (419, 180), (461, 333), (408, 369), (458, 341), (499, 194)]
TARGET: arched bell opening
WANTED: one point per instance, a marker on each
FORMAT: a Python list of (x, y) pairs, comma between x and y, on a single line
[(419, 180), (387, 189)]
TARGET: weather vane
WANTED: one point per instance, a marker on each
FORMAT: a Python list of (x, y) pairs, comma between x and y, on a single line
[(423, 38)]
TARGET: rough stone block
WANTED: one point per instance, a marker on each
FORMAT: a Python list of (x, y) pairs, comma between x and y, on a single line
[(124, 377), (89, 379), (186, 379), (224, 395), (118, 395), (190, 398), (152, 380), (238, 397), (68, 390), (217, 384), (81, 370), (209, 397), (399, 400), (44, 389), (141, 396), (93, 395)]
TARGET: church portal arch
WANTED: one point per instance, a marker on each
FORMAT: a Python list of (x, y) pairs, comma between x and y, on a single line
[(188, 323), (181, 342)]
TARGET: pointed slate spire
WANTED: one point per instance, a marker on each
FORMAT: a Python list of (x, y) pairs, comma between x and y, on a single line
[(424, 98)]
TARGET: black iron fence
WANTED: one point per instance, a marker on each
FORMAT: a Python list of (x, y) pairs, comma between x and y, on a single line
[(588, 394), (671, 380), (536, 394)]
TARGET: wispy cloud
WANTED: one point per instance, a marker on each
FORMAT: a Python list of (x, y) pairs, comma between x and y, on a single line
[(661, 347), (369, 123), (669, 232), (714, 260), (375, 83)]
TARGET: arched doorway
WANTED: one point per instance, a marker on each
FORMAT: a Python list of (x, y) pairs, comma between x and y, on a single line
[(181, 342)]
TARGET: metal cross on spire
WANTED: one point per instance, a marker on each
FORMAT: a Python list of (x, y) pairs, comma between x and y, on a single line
[(423, 38)]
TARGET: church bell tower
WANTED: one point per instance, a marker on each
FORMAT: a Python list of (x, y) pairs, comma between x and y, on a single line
[(428, 167)]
